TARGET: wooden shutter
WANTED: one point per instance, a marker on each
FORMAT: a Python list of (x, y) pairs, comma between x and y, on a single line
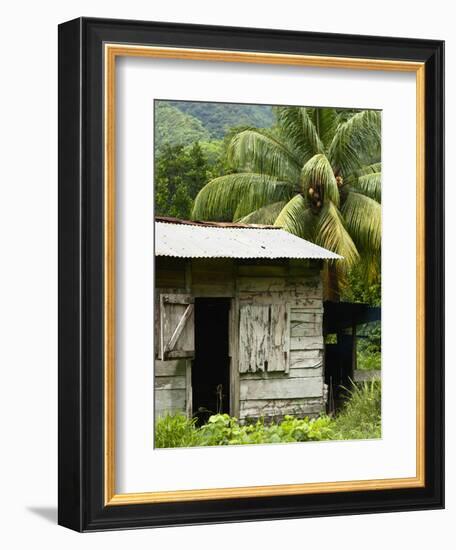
[(264, 336), (177, 331)]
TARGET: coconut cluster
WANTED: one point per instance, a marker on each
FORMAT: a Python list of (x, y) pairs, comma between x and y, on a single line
[(315, 197)]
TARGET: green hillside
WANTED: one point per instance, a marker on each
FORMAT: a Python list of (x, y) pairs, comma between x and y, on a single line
[(174, 127), (218, 118)]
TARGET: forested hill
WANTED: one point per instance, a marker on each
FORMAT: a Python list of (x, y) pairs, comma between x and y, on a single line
[(174, 127), (184, 122), (191, 141), (220, 117)]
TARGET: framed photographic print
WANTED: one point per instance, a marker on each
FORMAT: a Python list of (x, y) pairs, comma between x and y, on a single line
[(250, 274)]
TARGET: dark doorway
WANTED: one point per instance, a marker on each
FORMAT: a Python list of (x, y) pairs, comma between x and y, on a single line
[(340, 320), (211, 366), (338, 369)]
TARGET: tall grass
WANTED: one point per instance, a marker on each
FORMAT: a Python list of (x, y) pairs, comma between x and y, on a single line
[(175, 430), (360, 417)]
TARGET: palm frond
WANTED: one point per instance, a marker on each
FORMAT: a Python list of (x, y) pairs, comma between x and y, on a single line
[(370, 185), (363, 219), (298, 128), (326, 121), (367, 179), (354, 140), (256, 151), (370, 266), (332, 234), (318, 174), (297, 218), (369, 169), (363, 171), (265, 215), (238, 194)]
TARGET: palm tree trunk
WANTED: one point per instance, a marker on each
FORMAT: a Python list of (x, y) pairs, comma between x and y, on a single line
[(331, 289)]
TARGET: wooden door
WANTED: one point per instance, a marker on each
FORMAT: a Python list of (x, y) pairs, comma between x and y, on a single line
[(177, 330)]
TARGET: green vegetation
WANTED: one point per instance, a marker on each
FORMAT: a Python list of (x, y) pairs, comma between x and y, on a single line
[(219, 118), (359, 289), (179, 175), (173, 127), (369, 360), (175, 430), (358, 419), (369, 349)]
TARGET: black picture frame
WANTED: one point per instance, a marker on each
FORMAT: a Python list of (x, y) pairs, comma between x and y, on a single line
[(81, 402)]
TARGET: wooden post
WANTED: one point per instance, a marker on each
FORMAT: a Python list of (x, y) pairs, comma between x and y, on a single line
[(234, 358), (188, 276), (188, 362), (188, 388)]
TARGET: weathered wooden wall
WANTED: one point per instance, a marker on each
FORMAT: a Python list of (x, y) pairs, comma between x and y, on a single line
[(170, 386), (296, 386), (171, 389), (291, 380)]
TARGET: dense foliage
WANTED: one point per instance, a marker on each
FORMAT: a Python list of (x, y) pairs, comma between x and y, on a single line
[(369, 356), (358, 419), (180, 172), (173, 127), (219, 118), (361, 289)]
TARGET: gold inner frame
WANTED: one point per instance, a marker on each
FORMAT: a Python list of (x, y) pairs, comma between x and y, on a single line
[(111, 52)]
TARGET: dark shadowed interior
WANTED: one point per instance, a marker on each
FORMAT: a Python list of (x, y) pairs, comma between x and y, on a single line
[(211, 366)]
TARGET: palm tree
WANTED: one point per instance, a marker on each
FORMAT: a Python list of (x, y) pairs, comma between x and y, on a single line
[(317, 174)]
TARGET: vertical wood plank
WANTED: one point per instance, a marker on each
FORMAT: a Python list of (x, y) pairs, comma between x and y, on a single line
[(264, 339), (254, 335), (234, 358), (188, 276), (188, 388), (279, 338)]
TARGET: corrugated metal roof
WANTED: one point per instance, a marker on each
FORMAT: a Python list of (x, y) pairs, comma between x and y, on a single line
[(190, 240)]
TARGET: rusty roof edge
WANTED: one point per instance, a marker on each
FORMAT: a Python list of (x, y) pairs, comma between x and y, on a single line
[(200, 223)]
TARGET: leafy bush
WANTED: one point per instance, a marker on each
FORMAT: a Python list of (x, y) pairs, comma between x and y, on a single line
[(360, 418), (223, 429), (178, 431)]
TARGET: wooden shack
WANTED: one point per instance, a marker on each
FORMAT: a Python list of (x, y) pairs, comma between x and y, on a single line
[(238, 321)]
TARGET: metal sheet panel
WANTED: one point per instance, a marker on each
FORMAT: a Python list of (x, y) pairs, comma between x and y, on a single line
[(199, 241)]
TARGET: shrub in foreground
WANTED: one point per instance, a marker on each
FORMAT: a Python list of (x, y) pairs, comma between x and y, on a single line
[(223, 429)]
